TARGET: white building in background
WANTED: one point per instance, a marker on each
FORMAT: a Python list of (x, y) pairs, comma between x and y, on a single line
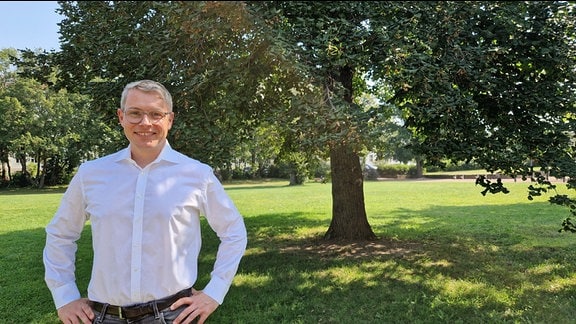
[(15, 166)]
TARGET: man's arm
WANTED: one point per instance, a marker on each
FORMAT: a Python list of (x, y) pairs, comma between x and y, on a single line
[(228, 224), (59, 254)]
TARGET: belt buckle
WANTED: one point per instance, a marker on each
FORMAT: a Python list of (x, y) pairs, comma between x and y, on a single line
[(120, 315)]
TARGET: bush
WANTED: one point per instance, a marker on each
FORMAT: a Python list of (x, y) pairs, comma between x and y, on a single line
[(395, 170), (20, 180), (453, 167)]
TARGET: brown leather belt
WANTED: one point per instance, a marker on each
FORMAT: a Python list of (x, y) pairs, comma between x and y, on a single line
[(139, 310)]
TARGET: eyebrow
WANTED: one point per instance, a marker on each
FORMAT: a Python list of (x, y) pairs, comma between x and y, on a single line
[(154, 109)]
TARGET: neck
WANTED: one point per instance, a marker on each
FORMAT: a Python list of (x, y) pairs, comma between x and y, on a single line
[(143, 157)]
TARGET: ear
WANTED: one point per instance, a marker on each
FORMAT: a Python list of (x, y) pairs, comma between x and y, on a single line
[(120, 115), (170, 120)]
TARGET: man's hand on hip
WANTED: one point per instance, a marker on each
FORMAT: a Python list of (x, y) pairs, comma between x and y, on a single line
[(200, 306), (76, 312)]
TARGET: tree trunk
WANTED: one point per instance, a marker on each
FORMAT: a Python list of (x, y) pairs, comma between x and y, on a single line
[(293, 181), (349, 220), (4, 175), (24, 169), (419, 168), (9, 171)]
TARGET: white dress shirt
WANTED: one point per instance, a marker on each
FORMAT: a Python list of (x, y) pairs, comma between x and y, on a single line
[(145, 226)]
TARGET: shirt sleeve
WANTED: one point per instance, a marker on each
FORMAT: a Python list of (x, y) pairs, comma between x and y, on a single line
[(59, 254), (229, 226)]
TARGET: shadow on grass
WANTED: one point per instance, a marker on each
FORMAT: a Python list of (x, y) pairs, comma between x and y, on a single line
[(472, 276), (481, 274)]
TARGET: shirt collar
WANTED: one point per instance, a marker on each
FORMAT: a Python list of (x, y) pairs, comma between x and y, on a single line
[(167, 154)]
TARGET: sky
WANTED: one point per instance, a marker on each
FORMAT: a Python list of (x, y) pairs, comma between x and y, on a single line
[(29, 25)]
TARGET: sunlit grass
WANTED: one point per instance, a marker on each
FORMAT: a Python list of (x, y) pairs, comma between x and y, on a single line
[(446, 254)]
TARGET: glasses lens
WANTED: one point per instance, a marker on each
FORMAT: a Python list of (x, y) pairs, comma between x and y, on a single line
[(156, 115), (135, 116)]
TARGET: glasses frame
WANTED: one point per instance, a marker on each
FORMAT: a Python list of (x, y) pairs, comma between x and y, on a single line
[(147, 114)]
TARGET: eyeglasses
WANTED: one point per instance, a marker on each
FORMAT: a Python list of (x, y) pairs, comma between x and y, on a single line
[(135, 116)]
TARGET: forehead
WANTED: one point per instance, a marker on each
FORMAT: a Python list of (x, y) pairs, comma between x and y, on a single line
[(137, 98)]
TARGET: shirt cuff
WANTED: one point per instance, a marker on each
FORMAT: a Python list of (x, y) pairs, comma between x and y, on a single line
[(65, 294), (216, 289)]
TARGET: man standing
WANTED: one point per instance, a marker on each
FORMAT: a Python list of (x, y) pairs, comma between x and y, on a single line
[(144, 205)]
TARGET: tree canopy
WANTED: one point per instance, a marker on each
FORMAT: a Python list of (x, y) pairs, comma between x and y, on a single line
[(490, 82)]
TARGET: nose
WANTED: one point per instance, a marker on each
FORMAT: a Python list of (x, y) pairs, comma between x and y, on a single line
[(145, 117)]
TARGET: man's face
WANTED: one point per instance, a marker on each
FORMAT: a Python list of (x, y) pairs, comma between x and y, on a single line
[(147, 134)]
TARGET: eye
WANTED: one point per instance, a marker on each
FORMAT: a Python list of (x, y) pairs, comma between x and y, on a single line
[(156, 115), (134, 113)]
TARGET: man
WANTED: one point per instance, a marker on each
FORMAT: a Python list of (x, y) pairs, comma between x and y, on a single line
[(144, 205)]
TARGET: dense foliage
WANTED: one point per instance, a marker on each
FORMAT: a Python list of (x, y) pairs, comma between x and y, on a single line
[(488, 82)]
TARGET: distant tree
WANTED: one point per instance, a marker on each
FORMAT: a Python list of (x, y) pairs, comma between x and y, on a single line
[(7, 70), (47, 127), (12, 124), (7, 75)]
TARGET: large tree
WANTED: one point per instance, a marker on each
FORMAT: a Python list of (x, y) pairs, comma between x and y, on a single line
[(210, 55), (336, 42), (457, 69), (491, 82)]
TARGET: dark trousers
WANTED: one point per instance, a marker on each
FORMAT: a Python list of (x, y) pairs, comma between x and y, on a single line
[(163, 316), (156, 311)]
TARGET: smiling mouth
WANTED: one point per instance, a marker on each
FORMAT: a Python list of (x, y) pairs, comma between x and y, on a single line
[(145, 133)]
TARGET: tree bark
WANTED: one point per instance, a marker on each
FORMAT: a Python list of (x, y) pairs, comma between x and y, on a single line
[(349, 220), (419, 168)]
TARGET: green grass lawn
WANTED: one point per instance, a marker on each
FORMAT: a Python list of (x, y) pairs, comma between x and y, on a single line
[(446, 254)]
